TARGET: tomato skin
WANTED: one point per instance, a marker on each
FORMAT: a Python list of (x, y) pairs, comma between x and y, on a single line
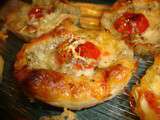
[(88, 50), (131, 23), (36, 12)]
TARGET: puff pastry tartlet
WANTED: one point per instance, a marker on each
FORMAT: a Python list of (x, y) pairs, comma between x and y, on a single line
[(73, 67), (29, 21), (136, 22), (145, 97)]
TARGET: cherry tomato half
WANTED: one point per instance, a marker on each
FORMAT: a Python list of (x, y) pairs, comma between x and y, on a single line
[(131, 23), (88, 50)]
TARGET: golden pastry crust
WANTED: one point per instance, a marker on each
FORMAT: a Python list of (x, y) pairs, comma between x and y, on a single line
[(145, 97), (90, 9), (73, 67), (141, 31), (33, 20)]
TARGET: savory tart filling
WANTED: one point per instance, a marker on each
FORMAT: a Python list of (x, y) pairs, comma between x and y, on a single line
[(73, 67), (33, 20), (137, 23)]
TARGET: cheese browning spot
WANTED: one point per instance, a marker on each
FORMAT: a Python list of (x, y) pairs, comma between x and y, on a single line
[(68, 61), (64, 55)]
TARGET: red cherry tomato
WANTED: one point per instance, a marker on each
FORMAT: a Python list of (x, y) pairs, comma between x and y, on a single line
[(88, 50), (36, 12), (131, 23)]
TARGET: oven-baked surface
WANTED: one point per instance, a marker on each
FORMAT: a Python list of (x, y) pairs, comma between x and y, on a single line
[(33, 20), (146, 95), (73, 67), (137, 23), (117, 108)]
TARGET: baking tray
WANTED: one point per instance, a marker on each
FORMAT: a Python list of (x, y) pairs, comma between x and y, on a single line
[(14, 105)]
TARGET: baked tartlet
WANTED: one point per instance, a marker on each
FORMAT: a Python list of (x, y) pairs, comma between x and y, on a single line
[(137, 23), (73, 67)]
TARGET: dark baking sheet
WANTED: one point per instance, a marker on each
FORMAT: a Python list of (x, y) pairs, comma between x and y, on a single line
[(15, 105)]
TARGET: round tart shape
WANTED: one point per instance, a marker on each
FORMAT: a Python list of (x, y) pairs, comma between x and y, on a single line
[(145, 96), (137, 23), (74, 68)]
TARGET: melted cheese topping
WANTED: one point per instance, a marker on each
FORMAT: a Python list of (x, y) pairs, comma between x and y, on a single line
[(151, 35), (43, 54), (32, 27), (150, 9), (47, 67)]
